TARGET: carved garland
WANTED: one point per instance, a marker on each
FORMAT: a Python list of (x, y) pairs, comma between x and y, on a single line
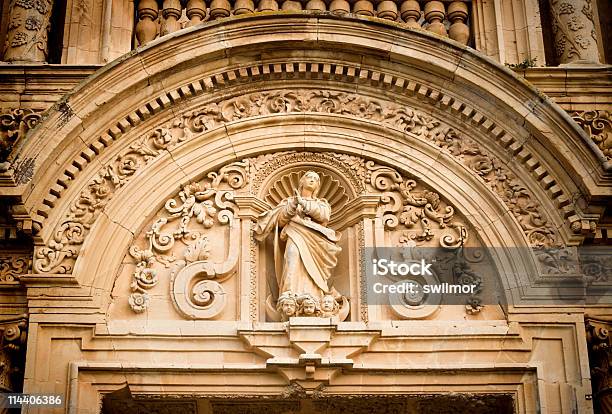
[(61, 251)]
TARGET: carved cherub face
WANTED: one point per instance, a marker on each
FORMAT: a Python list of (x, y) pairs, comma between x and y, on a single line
[(311, 182), (288, 307), (309, 307), (328, 303)]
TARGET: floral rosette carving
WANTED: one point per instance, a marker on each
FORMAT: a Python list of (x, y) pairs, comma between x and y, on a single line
[(185, 220)]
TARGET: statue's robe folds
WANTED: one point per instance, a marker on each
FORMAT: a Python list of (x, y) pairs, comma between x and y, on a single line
[(310, 252)]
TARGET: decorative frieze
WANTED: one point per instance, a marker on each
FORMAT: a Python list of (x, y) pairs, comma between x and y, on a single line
[(28, 29), (598, 124)]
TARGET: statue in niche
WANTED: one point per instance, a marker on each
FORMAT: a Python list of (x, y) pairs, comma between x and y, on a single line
[(310, 252)]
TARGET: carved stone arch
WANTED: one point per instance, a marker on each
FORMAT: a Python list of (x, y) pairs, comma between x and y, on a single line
[(116, 228), (406, 72)]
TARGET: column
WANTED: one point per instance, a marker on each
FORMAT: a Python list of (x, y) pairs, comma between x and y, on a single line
[(574, 31), (29, 25)]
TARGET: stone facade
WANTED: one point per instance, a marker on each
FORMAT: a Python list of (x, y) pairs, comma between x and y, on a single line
[(191, 200)]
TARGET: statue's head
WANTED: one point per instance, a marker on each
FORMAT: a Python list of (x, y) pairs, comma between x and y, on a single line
[(309, 306), (329, 304), (310, 181), (287, 304)]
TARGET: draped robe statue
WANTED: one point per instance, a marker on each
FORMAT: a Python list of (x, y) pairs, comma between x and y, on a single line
[(310, 253)]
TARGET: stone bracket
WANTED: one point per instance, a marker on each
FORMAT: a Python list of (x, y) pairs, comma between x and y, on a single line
[(311, 349)]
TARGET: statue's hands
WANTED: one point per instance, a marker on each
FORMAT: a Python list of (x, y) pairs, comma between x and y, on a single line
[(299, 199)]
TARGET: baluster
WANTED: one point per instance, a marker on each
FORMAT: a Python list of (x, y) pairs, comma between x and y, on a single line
[(196, 11), (434, 14), (387, 9), (268, 5), (291, 5), (146, 28), (171, 12), (364, 8), (219, 9), (339, 7), (244, 7), (457, 14), (411, 13), (316, 5)]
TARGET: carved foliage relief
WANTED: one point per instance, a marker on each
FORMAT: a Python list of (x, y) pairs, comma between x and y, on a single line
[(29, 25), (60, 252), (574, 30)]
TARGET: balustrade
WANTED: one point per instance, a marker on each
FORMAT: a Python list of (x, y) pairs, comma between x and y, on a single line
[(445, 18)]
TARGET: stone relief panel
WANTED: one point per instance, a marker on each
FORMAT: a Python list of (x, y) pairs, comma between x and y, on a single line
[(284, 234), (60, 251)]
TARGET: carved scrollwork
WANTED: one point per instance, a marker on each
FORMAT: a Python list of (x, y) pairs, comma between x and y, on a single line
[(13, 336), (419, 212), (61, 251), (598, 124), (13, 266), (186, 219)]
